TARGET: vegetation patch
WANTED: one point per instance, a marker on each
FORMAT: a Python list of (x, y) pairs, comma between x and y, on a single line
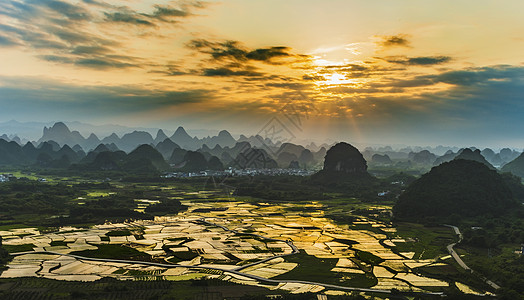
[(115, 252), (368, 258), (182, 256), (312, 268), (120, 232), (18, 248)]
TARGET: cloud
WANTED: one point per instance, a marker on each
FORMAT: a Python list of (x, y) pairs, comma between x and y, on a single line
[(482, 76), (394, 41), (471, 77), (81, 33), (29, 96), (420, 61)]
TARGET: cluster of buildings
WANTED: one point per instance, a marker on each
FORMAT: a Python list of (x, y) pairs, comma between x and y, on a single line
[(241, 172), (5, 177)]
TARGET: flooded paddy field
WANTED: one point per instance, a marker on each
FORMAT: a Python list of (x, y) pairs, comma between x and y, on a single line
[(285, 247)]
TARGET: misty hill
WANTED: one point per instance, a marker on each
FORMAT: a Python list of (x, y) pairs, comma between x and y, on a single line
[(423, 157), (11, 153), (468, 154), (254, 158), (224, 139), (195, 161), (515, 167), (184, 140), (12, 138), (166, 148), (160, 137), (144, 159), (381, 159), (91, 142), (130, 141), (61, 134), (459, 187), (448, 156)]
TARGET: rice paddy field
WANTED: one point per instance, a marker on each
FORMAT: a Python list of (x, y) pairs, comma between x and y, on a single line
[(283, 247)]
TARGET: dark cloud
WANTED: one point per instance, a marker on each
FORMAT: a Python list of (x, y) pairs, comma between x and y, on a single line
[(233, 50), (7, 41), (97, 3), (467, 78), (268, 53), (394, 40), (68, 10), (223, 72), (71, 36), (127, 17), (90, 50), (420, 61), (103, 63), (313, 77), (165, 12), (56, 58)]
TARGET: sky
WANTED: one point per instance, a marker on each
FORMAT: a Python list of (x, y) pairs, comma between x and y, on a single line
[(434, 72)]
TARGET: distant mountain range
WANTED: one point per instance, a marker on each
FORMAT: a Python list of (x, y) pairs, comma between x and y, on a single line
[(59, 146)]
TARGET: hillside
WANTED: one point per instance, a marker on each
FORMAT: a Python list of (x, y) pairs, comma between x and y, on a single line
[(516, 166), (459, 187)]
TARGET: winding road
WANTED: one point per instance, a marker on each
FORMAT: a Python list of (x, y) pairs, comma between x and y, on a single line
[(459, 260)]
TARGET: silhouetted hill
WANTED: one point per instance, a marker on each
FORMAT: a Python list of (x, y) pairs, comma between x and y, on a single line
[(291, 148), (459, 187), (107, 161), (177, 157), (214, 163), (516, 166), (144, 153), (253, 158), (11, 153), (285, 158), (343, 163), (194, 161), (306, 159), (166, 148), (345, 158), (345, 170)]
